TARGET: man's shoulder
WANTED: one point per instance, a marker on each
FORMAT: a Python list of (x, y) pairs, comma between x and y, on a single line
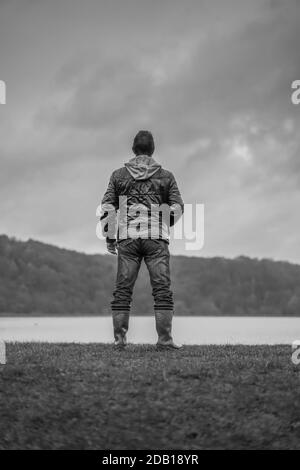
[(164, 173), (120, 172)]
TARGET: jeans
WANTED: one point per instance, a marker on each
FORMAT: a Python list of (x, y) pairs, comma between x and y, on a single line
[(156, 254)]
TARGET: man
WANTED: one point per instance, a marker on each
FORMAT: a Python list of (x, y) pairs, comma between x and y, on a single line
[(141, 192)]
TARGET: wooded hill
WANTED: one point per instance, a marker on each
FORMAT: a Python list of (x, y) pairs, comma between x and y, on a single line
[(40, 279)]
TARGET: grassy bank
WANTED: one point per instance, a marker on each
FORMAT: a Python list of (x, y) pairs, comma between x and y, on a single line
[(91, 396)]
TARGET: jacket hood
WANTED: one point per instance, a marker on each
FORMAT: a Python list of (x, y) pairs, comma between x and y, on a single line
[(142, 167)]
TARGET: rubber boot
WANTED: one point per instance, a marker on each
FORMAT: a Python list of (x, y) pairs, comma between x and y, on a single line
[(163, 320), (120, 324)]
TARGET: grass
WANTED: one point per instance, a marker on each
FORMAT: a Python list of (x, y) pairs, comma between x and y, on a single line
[(71, 396)]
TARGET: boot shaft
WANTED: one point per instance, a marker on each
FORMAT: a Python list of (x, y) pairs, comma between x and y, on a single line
[(163, 321), (120, 325)]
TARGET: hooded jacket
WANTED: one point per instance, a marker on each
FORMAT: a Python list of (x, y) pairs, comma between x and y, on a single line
[(146, 198)]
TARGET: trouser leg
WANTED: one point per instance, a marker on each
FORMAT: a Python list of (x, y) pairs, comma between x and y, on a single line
[(129, 262), (157, 259)]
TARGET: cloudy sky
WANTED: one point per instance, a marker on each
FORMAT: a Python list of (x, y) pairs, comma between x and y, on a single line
[(212, 81)]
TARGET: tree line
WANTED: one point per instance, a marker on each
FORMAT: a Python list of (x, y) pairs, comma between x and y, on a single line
[(41, 279)]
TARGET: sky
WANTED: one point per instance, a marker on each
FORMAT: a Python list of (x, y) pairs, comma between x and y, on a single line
[(210, 78)]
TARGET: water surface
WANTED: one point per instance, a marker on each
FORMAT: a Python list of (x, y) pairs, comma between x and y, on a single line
[(187, 330)]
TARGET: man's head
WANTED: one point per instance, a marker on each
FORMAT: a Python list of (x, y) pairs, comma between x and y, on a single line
[(143, 143)]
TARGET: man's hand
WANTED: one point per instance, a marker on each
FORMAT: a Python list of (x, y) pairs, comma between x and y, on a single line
[(111, 246)]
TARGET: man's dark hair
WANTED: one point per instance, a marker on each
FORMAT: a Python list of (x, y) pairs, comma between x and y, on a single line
[(143, 143)]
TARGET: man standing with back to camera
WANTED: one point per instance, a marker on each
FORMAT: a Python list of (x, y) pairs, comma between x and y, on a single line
[(134, 190)]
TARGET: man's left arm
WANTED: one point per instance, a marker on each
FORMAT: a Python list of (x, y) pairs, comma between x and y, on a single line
[(175, 202)]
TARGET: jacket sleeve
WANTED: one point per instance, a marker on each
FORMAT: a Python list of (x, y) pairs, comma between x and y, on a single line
[(175, 201), (109, 207)]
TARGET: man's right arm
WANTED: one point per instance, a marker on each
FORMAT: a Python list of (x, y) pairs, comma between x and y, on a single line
[(109, 207)]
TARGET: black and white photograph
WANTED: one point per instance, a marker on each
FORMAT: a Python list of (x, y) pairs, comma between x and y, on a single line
[(149, 228)]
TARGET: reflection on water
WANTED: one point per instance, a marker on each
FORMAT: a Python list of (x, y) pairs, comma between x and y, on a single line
[(187, 330)]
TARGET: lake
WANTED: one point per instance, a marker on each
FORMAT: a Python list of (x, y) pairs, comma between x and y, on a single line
[(186, 330)]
